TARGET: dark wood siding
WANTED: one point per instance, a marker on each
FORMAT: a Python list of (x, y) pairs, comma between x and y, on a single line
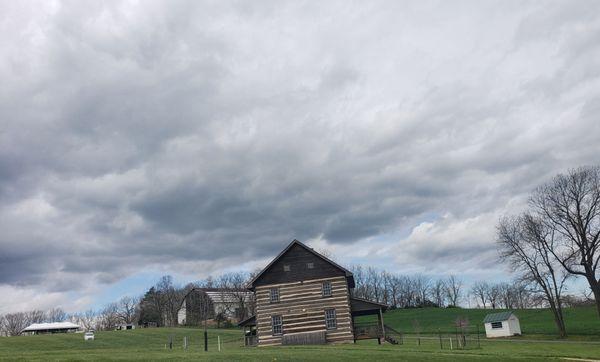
[(298, 257), (302, 309)]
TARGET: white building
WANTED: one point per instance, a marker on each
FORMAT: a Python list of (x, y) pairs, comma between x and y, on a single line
[(57, 327), (504, 324)]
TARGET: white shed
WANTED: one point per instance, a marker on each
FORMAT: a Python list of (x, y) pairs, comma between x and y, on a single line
[(504, 324)]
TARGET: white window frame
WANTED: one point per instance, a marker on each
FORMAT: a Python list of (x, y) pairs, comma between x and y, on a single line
[(274, 295), (277, 325), (326, 289), (330, 318)]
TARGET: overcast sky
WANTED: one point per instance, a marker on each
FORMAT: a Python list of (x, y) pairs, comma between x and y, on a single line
[(189, 138)]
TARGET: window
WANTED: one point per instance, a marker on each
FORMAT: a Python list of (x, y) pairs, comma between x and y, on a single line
[(287, 267), (310, 265), (496, 325), (326, 289), (277, 325), (330, 321), (274, 295)]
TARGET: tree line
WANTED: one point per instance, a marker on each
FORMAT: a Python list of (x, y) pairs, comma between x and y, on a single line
[(417, 291)]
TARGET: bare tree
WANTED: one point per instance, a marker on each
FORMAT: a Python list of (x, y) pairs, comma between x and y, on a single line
[(505, 295), (235, 297), (35, 316), (109, 317), (86, 319), (14, 323), (521, 294), (56, 315), (391, 285), (127, 309), (493, 294), (523, 243), (439, 292), (569, 206), (480, 291), (168, 300), (375, 284), (422, 285), (454, 290)]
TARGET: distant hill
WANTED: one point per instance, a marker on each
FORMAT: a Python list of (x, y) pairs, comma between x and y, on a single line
[(579, 321)]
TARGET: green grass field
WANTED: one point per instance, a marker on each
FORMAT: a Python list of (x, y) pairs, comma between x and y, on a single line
[(149, 344)]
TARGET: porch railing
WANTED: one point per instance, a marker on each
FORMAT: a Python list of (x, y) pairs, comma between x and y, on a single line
[(367, 331)]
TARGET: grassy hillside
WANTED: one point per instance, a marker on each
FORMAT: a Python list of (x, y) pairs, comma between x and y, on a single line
[(579, 321)]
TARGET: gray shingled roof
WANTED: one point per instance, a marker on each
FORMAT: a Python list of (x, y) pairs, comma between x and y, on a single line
[(497, 317)]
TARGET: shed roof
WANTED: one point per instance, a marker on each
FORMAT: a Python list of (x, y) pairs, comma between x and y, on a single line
[(362, 305), (50, 326), (497, 317), (250, 321), (220, 295)]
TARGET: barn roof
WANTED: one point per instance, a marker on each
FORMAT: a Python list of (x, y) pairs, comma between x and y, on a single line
[(50, 326), (497, 317), (220, 295), (347, 272)]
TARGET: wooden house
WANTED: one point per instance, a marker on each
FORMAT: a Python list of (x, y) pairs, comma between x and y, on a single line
[(302, 297)]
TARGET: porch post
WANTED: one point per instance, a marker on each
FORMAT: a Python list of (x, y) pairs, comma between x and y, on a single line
[(352, 326), (380, 318)]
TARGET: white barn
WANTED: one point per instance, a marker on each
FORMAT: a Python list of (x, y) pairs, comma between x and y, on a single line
[(224, 301), (504, 324), (56, 327)]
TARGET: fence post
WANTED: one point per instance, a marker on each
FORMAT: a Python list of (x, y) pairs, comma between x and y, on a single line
[(478, 344), (205, 341), (450, 343), (171, 341), (219, 342), (456, 335), (185, 342), (440, 335)]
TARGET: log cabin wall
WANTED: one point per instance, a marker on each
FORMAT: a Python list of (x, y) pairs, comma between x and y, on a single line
[(302, 308)]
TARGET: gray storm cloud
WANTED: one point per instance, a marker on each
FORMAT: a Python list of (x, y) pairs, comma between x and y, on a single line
[(176, 132)]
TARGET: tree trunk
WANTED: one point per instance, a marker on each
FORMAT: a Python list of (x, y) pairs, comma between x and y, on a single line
[(558, 318), (595, 286)]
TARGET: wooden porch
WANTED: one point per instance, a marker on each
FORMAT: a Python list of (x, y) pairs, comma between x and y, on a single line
[(372, 330), (250, 336)]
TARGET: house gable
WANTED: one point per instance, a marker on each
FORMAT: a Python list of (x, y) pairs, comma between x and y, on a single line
[(296, 259)]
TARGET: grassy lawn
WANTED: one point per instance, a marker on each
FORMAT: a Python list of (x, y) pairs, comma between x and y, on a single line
[(149, 344)]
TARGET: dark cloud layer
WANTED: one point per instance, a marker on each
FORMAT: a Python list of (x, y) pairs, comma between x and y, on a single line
[(183, 132)]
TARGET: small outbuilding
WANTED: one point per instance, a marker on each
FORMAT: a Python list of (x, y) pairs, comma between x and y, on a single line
[(57, 327), (504, 324), (122, 327)]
